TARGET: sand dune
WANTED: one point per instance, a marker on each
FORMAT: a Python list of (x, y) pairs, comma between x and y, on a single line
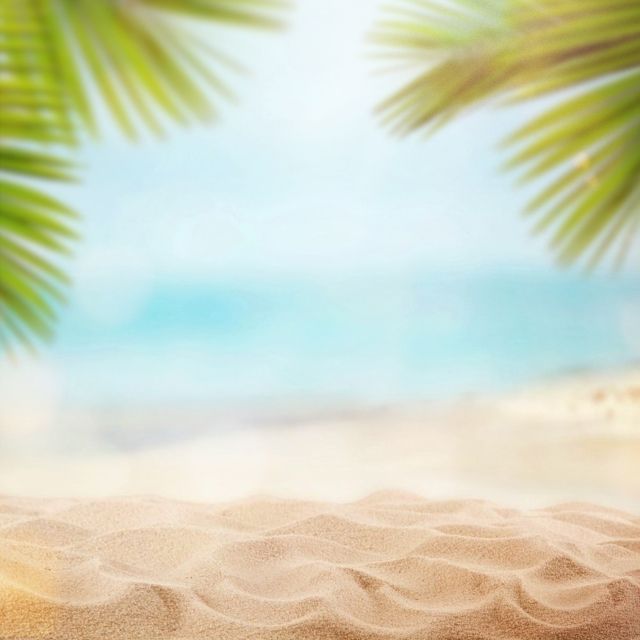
[(391, 566)]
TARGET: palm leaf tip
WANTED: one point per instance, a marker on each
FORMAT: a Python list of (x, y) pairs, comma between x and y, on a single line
[(585, 149), (33, 228), (262, 14), (144, 60)]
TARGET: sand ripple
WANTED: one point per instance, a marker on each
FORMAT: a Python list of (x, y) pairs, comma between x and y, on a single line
[(392, 566)]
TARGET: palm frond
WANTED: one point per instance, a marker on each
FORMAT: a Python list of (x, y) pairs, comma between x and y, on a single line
[(34, 228), (471, 53), (141, 57)]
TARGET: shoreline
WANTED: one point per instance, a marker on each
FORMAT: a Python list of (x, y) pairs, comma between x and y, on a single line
[(572, 439), (492, 530)]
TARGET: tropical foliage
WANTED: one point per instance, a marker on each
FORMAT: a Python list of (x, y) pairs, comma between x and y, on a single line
[(585, 148), (61, 61)]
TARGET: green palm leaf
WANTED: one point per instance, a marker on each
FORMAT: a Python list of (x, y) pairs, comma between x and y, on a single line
[(586, 148), (142, 61), (142, 58), (34, 228)]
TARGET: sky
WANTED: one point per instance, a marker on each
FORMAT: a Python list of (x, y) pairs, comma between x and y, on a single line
[(299, 176)]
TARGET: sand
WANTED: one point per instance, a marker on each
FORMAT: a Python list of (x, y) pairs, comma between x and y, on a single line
[(319, 562), (390, 566)]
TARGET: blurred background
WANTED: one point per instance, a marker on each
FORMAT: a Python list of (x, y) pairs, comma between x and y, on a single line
[(295, 259)]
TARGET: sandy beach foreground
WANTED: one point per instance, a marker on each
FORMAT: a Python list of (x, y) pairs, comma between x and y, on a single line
[(436, 560), (390, 566)]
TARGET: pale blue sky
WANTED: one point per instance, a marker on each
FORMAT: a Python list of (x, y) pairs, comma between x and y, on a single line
[(299, 175)]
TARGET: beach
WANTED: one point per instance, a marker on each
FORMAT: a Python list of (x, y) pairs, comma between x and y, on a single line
[(304, 336), (572, 438), (390, 566), (515, 516)]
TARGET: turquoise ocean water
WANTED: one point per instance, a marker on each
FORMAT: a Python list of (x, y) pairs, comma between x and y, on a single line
[(357, 341)]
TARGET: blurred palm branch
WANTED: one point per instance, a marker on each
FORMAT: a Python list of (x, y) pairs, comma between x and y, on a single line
[(585, 149), (62, 61)]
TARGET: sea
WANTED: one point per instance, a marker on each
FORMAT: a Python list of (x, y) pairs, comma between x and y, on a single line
[(365, 340)]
